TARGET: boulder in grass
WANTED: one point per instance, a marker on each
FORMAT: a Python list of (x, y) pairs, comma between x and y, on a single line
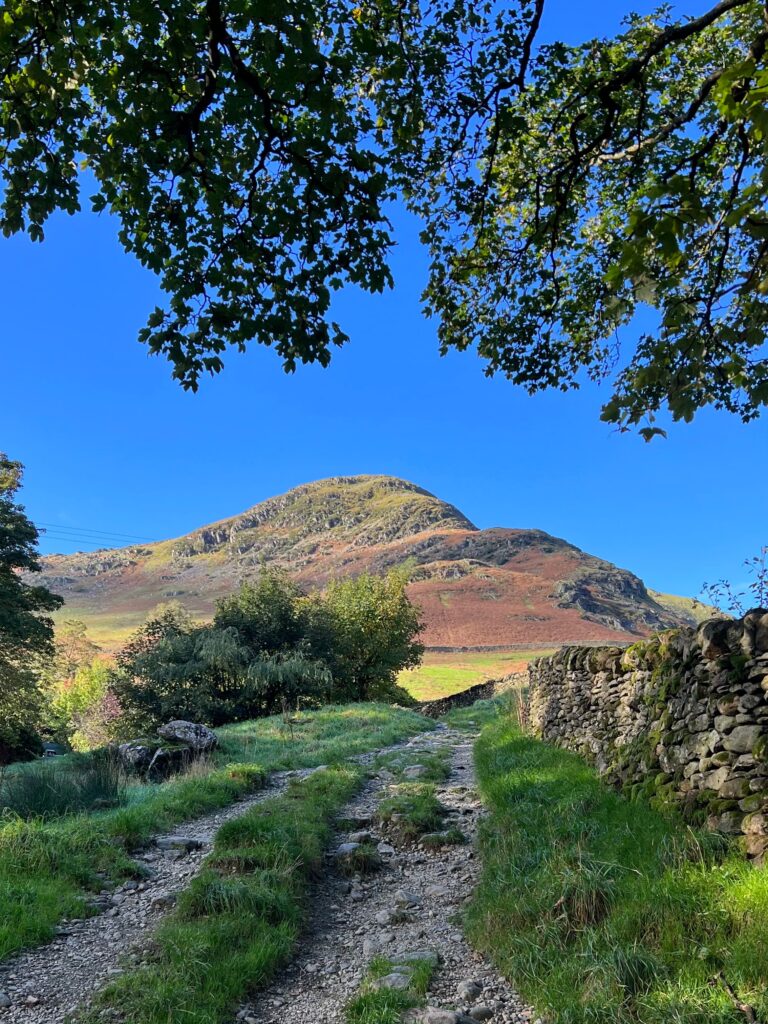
[(197, 737), (136, 756), (153, 760)]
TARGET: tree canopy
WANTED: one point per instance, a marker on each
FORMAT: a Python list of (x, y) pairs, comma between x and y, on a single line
[(269, 645), (249, 151), (26, 630)]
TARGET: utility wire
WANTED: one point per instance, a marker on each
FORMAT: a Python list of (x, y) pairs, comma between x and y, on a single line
[(75, 540), (83, 529)]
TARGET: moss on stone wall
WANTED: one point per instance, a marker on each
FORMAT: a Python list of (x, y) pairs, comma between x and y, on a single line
[(679, 719)]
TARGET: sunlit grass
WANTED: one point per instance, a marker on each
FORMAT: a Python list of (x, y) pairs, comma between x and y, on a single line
[(600, 910), (444, 673)]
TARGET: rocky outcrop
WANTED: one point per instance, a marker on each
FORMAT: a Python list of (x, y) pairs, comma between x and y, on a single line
[(197, 737), (153, 760), (681, 718), (180, 743)]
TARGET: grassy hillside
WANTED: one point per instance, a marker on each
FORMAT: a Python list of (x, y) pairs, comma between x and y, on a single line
[(688, 609)]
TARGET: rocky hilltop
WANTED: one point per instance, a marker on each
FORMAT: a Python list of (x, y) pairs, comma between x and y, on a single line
[(494, 587)]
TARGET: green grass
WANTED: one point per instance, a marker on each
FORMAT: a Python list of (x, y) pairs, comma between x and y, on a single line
[(602, 910), (387, 1006), (443, 673), (51, 787), (413, 809), (365, 860), (239, 919), (47, 868), (695, 611), (451, 837), (323, 736)]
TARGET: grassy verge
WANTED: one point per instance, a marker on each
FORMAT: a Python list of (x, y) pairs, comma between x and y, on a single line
[(46, 868), (480, 713), (240, 918), (600, 910), (314, 737), (378, 1004)]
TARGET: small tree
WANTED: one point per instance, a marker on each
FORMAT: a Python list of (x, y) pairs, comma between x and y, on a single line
[(265, 614), (724, 595), (171, 670), (26, 631), (281, 679), (375, 630), (73, 648), (85, 707)]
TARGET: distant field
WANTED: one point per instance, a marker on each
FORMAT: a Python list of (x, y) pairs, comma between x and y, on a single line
[(443, 673)]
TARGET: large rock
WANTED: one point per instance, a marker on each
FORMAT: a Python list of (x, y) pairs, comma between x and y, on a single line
[(155, 761), (197, 737), (136, 756), (397, 981), (743, 738)]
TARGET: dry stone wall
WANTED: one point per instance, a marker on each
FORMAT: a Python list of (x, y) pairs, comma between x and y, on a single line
[(465, 698), (681, 718)]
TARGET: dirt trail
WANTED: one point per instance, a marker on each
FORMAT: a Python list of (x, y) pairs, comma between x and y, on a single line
[(350, 923), (45, 985)]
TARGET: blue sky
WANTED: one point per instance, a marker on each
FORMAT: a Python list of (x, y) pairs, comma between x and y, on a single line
[(111, 443)]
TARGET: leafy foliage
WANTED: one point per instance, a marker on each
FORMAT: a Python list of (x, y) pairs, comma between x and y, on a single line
[(229, 139), (375, 627), (26, 632), (725, 595), (249, 150), (269, 646), (620, 173)]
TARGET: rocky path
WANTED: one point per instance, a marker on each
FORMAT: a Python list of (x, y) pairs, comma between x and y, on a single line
[(411, 905), (48, 983)]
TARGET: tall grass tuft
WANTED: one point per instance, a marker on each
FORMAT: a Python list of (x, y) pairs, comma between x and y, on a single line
[(83, 783)]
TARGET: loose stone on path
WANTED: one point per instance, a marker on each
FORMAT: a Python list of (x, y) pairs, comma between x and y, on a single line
[(408, 908)]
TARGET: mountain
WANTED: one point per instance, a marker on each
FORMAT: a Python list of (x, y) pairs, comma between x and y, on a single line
[(490, 588)]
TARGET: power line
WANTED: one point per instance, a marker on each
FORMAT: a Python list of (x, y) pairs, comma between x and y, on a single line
[(76, 540), (102, 533), (85, 538)]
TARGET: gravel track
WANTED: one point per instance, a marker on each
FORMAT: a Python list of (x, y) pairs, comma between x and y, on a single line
[(47, 984), (350, 923)]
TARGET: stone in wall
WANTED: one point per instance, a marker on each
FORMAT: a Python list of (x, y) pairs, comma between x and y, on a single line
[(681, 718)]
